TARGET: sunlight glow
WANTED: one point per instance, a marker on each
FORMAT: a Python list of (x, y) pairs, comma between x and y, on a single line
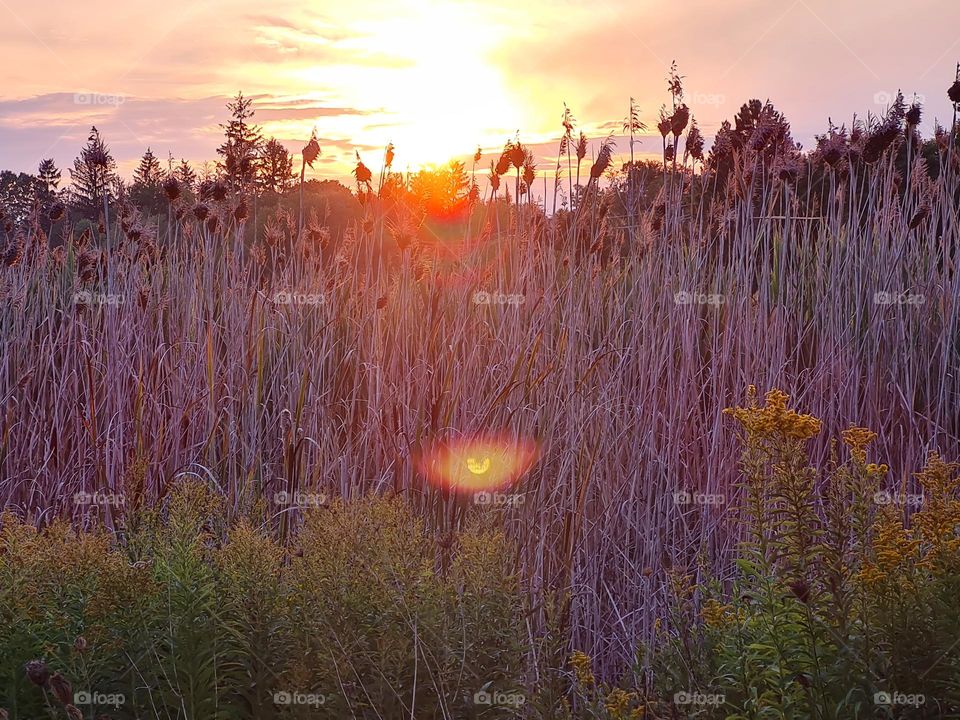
[(486, 462)]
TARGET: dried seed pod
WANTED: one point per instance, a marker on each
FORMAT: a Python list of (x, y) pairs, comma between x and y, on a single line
[(37, 672)]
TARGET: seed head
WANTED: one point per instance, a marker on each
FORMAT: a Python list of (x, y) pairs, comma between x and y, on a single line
[(61, 689), (37, 672)]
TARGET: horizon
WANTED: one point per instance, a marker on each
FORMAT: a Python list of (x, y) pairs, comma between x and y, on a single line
[(364, 78)]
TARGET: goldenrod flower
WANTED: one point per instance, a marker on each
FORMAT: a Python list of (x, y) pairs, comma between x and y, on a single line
[(617, 702), (774, 419), (858, 438), (715, 614), (583, 667)]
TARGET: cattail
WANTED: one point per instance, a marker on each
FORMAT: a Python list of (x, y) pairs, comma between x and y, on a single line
[(73, 712), (213, 222), (581, 147), (919, 217), (201, 211), (218, 192), (388, 156), (241, 212), (518, 154), (529, 169), (679, 120), (913, 115), (56, 211), (694, 143), (80, 644), (666, 123), (13, 254), (171, 188), (37, 672), (477, 155), (61, 689), (669, 154), (87, 263), (311, 152), (954, 93), (361, 172), (503, 164), (604, 157)]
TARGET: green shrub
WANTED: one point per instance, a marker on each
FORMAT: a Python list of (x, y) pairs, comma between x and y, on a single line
[(366, 616)]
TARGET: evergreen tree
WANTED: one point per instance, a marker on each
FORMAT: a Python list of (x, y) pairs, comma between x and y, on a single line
[(276, 167), (146, 192), (186, 175), (241, 147), (49, 174), (148, 172), (93, 175)]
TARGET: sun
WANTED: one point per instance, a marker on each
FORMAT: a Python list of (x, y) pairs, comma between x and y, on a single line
[(443, 89)]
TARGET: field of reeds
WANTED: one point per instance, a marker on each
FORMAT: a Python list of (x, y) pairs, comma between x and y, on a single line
[(316, 367)]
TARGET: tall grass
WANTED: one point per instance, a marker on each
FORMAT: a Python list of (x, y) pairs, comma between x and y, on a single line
[(193, 368)]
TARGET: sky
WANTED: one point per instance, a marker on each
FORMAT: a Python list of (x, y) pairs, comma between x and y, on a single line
[(440, 78)]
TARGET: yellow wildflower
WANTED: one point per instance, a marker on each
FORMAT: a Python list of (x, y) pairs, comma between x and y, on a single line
[(715, 614), (893, 549), (857, 439), (774, 419), (936, 524), (583, 667), (617, 702)]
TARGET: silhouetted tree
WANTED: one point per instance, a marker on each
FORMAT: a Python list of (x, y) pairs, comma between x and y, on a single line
[(19, 193), (93, 175), (241, 147), (146, 191), (276, 167)]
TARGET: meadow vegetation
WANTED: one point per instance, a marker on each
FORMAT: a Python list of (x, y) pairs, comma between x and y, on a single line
[(213, 398)]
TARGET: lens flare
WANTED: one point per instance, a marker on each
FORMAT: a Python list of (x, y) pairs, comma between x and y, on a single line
[(488, 462)]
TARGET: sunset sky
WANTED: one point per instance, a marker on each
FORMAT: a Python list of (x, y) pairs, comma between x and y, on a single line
[(438, 78)]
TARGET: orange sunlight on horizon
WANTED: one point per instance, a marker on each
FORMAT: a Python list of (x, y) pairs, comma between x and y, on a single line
[(441, 91)]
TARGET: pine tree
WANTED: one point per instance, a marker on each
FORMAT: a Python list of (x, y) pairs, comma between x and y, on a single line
[(148, 172), (241, 147), (275, 167), (93, 175), (49, 174), (186, 175), (146, 192)]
